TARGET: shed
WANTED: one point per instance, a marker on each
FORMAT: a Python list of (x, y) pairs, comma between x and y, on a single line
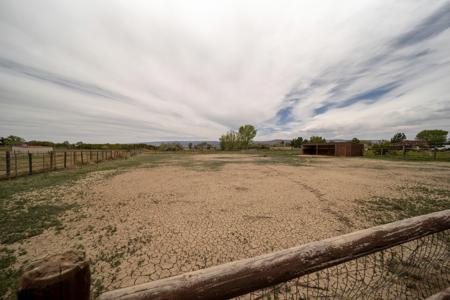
[(318, 149), (348, 149), (334, 149)]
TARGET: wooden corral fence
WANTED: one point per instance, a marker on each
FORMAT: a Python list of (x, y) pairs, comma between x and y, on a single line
[(407, 259), (410, 152), (15, 164)]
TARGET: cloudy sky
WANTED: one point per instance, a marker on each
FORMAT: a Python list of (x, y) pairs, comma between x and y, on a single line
[(133, 71)]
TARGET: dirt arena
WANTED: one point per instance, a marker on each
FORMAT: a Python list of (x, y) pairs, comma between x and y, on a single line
[(186, 213)]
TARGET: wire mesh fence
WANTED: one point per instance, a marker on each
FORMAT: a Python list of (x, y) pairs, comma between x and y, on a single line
[(413, 270), (405, 259), (14, 164)]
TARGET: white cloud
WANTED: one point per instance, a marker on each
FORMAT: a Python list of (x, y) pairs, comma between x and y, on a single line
[(158, 70)]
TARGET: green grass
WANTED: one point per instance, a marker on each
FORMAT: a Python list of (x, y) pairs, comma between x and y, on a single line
[(290, 158), (21, 217), (8, 274), (414, 201), (411, 155)]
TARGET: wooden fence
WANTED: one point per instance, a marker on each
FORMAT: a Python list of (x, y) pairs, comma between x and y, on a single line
[(404, 251), (409, 152), (15, 164)]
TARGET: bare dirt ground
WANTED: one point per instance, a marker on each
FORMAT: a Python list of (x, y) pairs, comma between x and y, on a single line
[(148, 223)]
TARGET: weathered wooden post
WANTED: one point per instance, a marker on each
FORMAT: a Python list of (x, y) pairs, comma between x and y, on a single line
[(404, 151), (15, 163), (51, 160), (97, 158), (62, 276), (65, 159), (30, 164), (8, 164), (434, 153), (82, 161)]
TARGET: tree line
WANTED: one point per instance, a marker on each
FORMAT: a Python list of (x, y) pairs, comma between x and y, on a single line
[(13, 140)]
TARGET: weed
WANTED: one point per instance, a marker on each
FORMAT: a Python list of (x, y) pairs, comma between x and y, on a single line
[(414, 201), (8, 274)]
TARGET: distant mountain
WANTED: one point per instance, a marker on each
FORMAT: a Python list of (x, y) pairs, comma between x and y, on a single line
[(272, 142), (216, 144), (213, 143), (185, 144)]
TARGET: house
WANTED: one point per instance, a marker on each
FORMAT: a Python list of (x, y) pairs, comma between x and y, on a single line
[(414, 144), (31, 149)]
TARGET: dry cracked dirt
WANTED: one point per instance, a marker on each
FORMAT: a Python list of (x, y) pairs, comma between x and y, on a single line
[(182, 214)]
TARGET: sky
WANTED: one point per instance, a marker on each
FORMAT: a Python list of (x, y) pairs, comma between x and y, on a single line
[(139, 71)]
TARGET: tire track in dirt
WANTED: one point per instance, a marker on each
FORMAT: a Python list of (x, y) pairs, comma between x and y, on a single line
[(320, 196)]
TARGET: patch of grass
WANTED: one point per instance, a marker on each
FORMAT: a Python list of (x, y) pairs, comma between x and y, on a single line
[(414, 201), (8, 274), (18, 222), (290, 158), (22, 218), (410, 155)]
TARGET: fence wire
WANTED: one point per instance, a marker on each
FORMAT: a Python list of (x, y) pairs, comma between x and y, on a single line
[(413, 270), (14, 164)]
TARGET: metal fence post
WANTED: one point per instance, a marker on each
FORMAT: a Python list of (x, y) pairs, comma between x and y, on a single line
[(65, 159), (30, 163)]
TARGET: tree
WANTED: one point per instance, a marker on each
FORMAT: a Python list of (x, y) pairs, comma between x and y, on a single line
[(190, 146), (170, 147), (233, 140), (230, 141), (317, 140), (246, 134), (297, 143), (12, 140), (398, 138), (435, 137), (356, 141), (203, 146)]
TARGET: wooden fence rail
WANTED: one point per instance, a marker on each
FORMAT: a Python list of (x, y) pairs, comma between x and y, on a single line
[(15, 164), (244, 276)]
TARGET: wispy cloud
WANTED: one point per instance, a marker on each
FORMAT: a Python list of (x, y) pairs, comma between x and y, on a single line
[(161, 70)]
